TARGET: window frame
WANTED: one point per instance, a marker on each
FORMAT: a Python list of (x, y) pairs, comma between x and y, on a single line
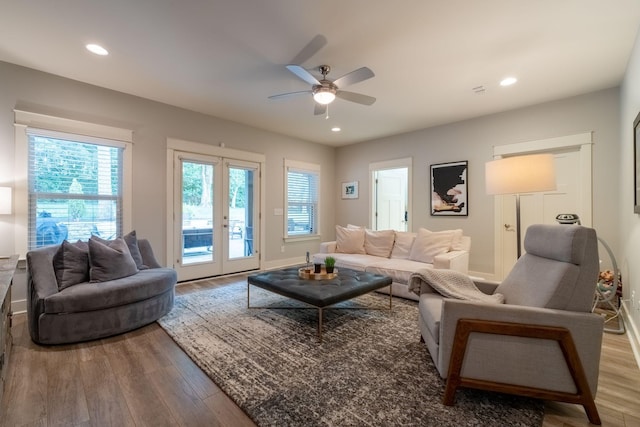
[(308, 168), (79, 131)]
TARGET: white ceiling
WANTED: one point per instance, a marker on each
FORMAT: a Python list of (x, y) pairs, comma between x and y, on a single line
[(225, 57)]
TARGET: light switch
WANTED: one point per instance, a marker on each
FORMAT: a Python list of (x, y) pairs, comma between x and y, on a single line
[(278, 211)]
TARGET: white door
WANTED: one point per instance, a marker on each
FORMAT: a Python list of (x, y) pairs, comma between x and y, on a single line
[(390, 195), (215, 215), (390, 199), (543, 207), (240, 216)]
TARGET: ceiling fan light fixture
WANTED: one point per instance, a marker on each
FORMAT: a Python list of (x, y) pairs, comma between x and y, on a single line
[(324, 95)]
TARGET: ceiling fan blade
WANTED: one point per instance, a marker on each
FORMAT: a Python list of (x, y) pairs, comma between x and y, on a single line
[(317, 43), (354, 77), (356, 97), (303, 74), (319, 109), (288, 94)]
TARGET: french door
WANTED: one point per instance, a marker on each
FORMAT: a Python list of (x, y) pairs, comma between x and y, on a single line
[(216, 203)]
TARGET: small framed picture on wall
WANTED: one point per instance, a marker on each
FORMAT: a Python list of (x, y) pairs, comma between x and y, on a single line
[(449, 189), (350, 190)]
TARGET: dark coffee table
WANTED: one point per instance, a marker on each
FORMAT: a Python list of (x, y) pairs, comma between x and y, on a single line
[(319, 294)]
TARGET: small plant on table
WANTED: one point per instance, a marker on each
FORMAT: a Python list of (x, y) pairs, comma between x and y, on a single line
[(329, 263)]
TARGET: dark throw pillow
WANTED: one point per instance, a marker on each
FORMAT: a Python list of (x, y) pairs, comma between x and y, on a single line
[(132, 243), (110, 260), (71, 264)]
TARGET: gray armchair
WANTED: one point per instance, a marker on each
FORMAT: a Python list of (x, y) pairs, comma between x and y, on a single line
[(544, 342)]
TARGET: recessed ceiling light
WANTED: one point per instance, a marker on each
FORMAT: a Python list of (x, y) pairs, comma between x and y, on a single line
[(508, 81), (97, 49), (335, 129)]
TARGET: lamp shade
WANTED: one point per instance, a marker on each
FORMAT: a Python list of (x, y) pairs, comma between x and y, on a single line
[(521, 174), (5, 200)]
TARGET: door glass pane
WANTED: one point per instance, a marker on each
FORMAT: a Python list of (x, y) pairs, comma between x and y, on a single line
[(240, 212), (197, 212)]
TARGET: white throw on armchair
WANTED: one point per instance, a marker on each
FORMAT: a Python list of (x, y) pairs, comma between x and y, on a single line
[(543, 342)]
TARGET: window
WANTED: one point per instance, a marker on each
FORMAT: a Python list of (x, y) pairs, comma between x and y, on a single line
[(73, 179), (75, 188), (302, 188)]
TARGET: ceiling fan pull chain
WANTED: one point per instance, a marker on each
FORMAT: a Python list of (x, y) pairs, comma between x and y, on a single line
[(326, 117)]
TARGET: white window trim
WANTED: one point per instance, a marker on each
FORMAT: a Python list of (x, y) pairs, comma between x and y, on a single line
[(25, 120), (304, 167)]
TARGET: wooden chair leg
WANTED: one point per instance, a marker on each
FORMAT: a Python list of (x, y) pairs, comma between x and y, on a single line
[(465, 327)]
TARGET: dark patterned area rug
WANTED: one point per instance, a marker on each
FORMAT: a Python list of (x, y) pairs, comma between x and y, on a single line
[(370, 370)]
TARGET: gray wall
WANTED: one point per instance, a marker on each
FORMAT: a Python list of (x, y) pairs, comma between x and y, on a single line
[(152, 122), (473, 140), (629, 221)]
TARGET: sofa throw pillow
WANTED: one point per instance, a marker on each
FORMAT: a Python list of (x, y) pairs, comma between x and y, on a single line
[(132, 243), (349, 240), (428, 244), (379, 242), (403, 243), (456, 242), (109, 261), (71, 264)]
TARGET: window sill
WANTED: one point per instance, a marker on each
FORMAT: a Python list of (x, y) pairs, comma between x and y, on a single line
[(302, 238)]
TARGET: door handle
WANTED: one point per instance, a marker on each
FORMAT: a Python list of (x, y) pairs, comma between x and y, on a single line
[(507, 227)]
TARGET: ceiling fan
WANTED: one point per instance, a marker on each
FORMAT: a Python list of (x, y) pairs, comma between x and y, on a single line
[(325, 91)]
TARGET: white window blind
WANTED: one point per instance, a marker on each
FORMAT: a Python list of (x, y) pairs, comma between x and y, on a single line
[(302, 189), (75, 187)]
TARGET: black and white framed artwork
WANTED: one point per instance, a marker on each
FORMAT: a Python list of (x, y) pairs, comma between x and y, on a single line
[(449, 188)]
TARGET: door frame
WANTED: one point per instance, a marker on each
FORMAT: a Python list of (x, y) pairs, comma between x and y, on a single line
[(407, 163), (173, 145), (583, 142)]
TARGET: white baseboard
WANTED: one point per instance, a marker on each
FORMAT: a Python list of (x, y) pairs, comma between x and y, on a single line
[(486, 276), (283, 263), (632, 331), (19, 306)]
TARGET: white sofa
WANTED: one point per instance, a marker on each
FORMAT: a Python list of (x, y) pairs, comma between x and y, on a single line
[(397, 254)]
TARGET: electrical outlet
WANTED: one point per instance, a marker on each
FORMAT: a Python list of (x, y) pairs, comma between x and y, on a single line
[(282, 248)]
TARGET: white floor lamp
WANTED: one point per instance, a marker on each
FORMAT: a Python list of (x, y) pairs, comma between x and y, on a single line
[(520, 174)]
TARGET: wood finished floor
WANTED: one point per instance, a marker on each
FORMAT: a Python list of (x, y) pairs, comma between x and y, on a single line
[(143, 378)]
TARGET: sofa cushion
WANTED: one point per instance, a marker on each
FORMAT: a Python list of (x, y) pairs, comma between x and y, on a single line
[(428, 244), (98, 296), (71, 264), (398, 269), (110, 260), (403, 243), (379, 242), (349, 240), (353, 261)]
